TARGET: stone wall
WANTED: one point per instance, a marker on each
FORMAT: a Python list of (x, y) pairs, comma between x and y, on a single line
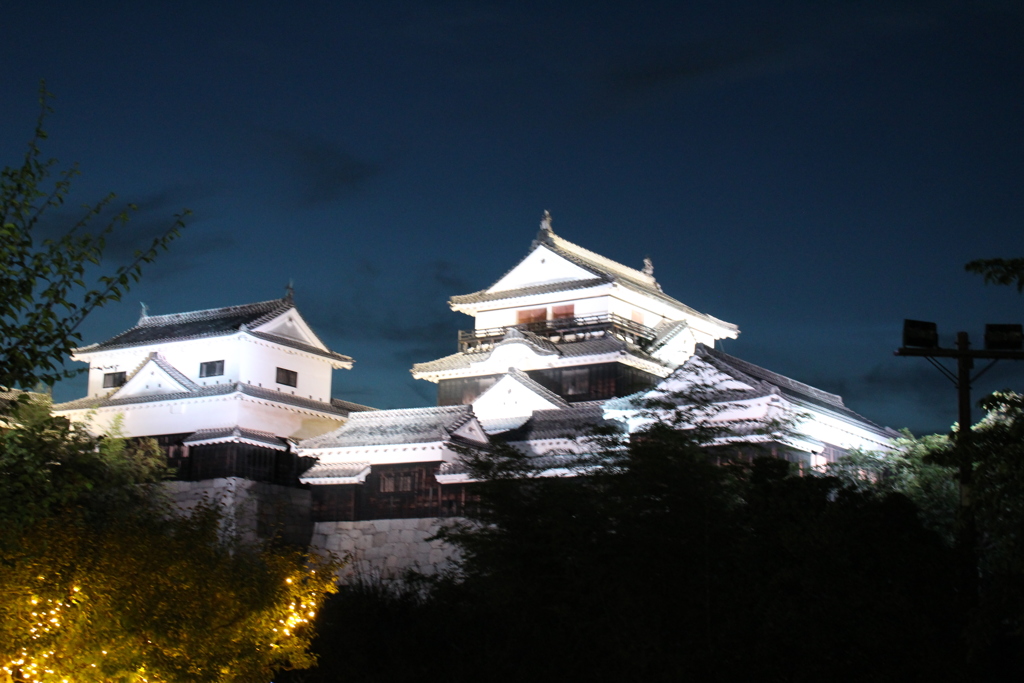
[(374, 549), (385, 548), (254, 510)]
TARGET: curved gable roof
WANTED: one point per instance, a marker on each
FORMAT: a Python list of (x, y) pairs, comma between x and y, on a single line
[(604, 269)]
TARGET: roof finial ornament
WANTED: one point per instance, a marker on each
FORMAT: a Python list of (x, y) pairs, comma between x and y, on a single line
[(289, 291), (648, 266), (545, 222), (145, 311), (545, 233)]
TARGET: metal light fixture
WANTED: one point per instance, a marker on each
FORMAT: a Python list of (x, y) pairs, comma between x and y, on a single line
[(1004, 337), (920, 334)]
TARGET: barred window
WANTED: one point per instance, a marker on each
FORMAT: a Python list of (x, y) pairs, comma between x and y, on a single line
[(289, 378), (114, 379), (212, 368), (394, 482)]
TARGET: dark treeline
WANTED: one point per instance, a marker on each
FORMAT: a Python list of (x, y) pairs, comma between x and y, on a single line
[(662, 565)]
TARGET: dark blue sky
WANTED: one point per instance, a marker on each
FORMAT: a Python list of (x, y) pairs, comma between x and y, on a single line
[(813, 172)]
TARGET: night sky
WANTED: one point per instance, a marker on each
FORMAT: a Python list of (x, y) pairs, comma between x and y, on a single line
[(813, 172)]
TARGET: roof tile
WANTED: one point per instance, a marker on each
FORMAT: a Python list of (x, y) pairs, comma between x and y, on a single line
[(404, 426)]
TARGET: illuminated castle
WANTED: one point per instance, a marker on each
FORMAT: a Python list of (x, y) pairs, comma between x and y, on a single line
[(565, 341)]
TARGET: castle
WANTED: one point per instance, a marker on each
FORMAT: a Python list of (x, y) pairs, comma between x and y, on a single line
[(565, 341)]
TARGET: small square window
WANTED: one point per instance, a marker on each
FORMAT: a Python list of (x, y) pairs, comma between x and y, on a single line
[(113, 379), (532, 315), (563, 312), (289, 378), (212, 368)]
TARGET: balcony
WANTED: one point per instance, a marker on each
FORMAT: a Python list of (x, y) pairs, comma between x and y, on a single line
[(563, 330)]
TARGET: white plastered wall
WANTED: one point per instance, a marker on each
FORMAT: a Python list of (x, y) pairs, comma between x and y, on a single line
[(541, 266), (507, 315), (246, 359), (191, 414)]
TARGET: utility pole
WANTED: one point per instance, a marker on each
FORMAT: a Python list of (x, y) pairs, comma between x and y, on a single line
[(1002, 342)]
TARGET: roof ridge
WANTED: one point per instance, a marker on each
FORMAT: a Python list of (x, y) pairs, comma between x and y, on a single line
[(746, 367), (295, 344), (175, 374), (535, 386), (528, 290), (208, 313), (405, 412), (602, 262)]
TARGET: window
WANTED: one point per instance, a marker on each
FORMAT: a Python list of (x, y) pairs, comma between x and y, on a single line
[(575, 381), (212, 368), (113, 379), (531, 315), (289, 378), (562, 312), (396, 482)]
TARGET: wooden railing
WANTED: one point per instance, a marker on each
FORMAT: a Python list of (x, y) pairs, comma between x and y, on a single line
[(563, 330)]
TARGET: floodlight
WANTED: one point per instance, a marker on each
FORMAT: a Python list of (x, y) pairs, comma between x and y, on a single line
[(1004, 337), (920, 333)]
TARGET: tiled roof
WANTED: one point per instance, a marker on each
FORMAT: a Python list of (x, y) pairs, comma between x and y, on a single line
[(285, 341), (595, 262), (766, 380), (576, 420), (211, 322), (8, 396), (354, 471), (678, 304), (524, 379), (174, 372), (404, 426), (604, 269), (105, 401), (542, 465), (291, 399), (349, 406), (588, 347), (484, 295), (667, 331), (221, 434)]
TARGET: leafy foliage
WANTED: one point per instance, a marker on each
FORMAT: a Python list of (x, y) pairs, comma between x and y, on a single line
[(665, 565), (999, 271), (922, 469), (100, 580), (47, 287)]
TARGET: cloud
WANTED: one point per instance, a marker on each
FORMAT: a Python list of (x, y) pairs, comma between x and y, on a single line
[(319, 170), (446, 275), (686, 64), (153, 216), (907, 392)]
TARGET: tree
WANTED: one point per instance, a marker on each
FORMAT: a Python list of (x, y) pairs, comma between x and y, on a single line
[(999, 271), (48, 286), (658, 562), (100, 578), (922, 469)]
